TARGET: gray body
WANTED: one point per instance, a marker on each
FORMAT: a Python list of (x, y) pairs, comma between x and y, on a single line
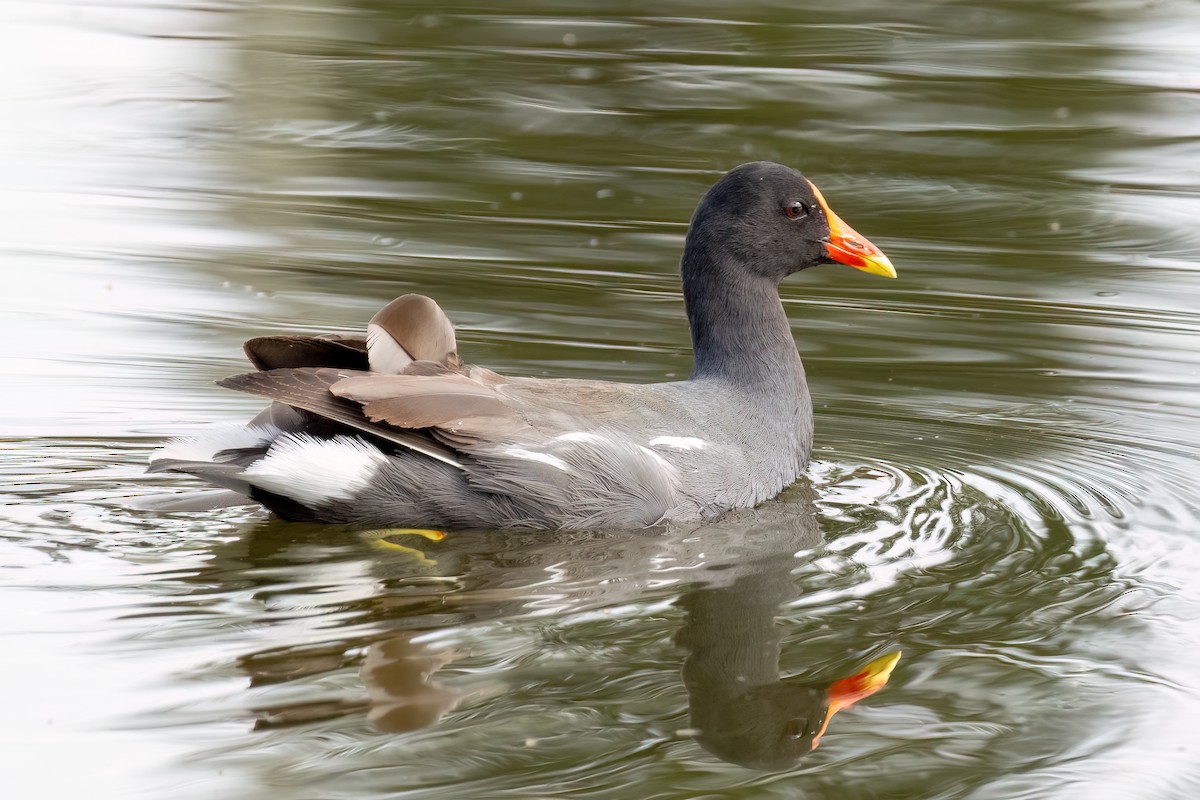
[(623, 469)]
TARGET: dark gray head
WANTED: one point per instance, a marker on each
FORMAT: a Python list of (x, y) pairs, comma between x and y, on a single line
[(771, 221), (769, 728)]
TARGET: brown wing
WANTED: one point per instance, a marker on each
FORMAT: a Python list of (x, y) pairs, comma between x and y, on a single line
[(451, 402), (357, 382), (308, 388)]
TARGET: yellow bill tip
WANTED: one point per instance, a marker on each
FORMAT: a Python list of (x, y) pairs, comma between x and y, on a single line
[(877, 265)]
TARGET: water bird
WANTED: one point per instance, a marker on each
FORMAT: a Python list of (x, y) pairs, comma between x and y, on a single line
[(394, 429)]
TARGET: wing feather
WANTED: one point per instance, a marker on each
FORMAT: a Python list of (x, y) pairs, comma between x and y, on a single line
[(308, 388), (410, 328), (451, 401), (281, 352)]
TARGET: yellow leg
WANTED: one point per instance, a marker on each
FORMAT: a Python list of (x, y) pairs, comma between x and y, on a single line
[(382, 539)]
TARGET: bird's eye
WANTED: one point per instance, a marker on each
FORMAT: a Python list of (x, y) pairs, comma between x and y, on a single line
[(795, 728), (796, 210)]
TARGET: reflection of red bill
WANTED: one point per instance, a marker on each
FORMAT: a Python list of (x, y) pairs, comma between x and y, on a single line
[(864, 683)]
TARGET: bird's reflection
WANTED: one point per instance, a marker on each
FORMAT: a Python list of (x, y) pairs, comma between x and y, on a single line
[(402, 693), (733, 576), (742, 711)]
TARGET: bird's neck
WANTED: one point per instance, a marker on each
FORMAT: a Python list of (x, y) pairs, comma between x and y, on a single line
[(740, 332), (732, 636)]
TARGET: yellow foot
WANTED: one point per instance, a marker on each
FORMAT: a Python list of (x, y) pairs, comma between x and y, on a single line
[(382, 539)]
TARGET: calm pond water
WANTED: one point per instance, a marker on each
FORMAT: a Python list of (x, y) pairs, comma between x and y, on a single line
[(1006, 459)]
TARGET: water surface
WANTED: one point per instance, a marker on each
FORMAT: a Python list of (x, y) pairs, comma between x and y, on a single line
[(1004, 484)]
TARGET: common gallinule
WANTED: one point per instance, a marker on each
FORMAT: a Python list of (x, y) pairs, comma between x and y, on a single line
[(392, 429)]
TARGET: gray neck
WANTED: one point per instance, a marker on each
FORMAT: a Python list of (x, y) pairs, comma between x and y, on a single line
[(732, 637), (740, 332)]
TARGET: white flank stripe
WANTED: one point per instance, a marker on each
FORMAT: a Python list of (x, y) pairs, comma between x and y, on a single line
[(531, 455), (581, 436), (679, 442), (205, 446), (316, 471), (667, 466)]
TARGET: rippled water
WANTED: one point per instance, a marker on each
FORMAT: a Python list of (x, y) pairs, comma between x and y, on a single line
[(1006, 463)]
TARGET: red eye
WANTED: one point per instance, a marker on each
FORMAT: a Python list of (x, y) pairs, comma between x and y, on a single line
[(796, 210)]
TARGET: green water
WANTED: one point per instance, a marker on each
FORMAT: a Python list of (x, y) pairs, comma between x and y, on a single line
[(1004, 484)]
